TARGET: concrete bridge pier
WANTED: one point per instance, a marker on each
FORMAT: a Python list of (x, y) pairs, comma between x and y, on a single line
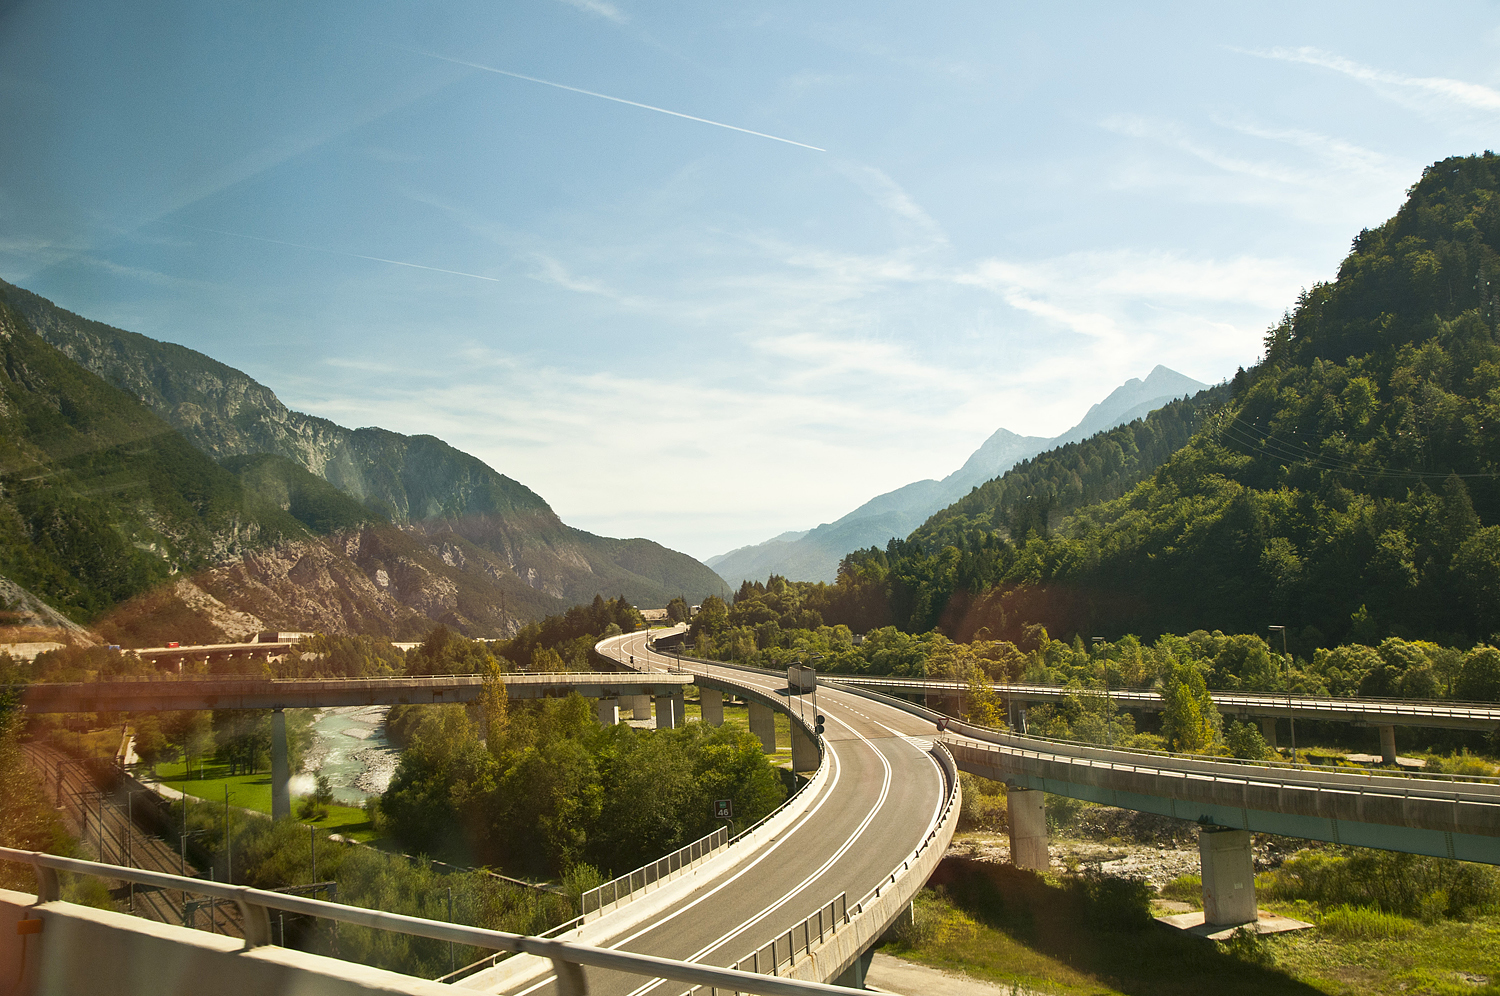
[(804, 750), (607, 711), (669, 711), (1268, 730), (763, 725), (854, 975), (1026, 810), (1388, 744), (1228, 868), (281, 770), (711, 702), (639, 705)]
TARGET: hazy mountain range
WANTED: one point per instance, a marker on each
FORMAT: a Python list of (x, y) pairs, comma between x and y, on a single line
[(814, 554)]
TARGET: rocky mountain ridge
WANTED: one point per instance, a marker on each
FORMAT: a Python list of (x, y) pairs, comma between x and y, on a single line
[(419, 483)]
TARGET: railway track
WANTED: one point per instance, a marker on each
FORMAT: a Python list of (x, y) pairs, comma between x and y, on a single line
[(100, 818)]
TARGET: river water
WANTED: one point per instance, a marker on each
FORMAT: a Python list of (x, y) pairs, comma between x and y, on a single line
[(350, 747)]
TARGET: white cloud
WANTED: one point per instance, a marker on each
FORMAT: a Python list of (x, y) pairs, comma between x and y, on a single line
[(889, 195), (1474, 96), (600, 8), (1174, 136)]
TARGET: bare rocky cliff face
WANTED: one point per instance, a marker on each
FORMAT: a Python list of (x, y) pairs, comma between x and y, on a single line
[(476, 548)]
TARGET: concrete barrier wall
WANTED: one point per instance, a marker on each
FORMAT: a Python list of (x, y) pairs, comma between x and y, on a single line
[(83, 951)]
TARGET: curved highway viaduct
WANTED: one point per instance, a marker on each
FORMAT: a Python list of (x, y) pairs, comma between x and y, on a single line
[(1439, 816), (876, 816), (873, 812), (1383, 714)]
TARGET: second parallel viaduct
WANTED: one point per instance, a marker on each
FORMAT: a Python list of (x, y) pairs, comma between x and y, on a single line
[(1382, 713)]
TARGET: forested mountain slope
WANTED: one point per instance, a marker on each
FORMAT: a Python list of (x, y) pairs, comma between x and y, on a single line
[(100, 499), (418, 482), (1037, 492), (1350, 488)]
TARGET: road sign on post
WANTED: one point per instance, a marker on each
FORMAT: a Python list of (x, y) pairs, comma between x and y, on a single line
[(723, 809)]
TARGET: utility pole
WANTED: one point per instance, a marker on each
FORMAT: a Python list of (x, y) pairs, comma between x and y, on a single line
[(228, 845), (129, 841), (1287, 663), (1109, 736)]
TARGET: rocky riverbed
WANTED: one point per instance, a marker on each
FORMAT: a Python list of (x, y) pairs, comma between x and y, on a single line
[(1121, 843)]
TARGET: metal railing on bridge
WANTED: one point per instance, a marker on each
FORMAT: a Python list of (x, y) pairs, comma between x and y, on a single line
[(568, 959), (619, 891)]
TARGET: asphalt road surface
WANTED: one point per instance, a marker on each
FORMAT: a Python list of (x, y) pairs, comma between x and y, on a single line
[(885, 793)]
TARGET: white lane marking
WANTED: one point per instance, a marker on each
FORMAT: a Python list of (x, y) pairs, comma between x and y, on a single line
[(849, 842), (784, 838), (885, 790)]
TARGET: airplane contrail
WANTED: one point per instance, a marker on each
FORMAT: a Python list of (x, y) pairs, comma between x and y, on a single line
[(618, 100), (334, 252)]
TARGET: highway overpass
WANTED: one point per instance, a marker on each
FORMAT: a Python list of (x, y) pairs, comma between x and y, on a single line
[(803, 895), (168, 693), (853, 846), (1382, 713)]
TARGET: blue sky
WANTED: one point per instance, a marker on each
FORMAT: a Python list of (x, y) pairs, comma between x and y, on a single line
[(693, 333)]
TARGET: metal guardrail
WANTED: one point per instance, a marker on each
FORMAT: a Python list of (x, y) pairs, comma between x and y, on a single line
[(826, 922), (491, 960), (1469, 713), (621, 890), (1294, 771), (567, 958), (769, 959)]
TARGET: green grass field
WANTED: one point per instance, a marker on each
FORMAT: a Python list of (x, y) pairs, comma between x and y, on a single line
[(1035, 935), (253, 791)]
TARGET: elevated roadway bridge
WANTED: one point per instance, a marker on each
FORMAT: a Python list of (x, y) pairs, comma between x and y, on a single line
[(860, 839), (1435, 815), (1385, 714), (806, 893)]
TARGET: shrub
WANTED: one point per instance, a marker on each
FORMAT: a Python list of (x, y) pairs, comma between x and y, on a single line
[(1461, 763), (1184, 889), (1365, 923), (983, 806), (1408, 884)]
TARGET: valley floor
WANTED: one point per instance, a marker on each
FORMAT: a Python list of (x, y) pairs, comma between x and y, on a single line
[(982, 921)]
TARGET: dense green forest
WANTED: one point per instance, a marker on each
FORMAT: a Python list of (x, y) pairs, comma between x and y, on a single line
[(549, 788), (541, 787), (1347, 487)]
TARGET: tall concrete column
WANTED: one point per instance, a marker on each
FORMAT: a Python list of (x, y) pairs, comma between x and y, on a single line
[(669, 711), (1228, 867), (607, 711), (763, 725), (1026, 810), (1388, 744), (639, 706), (804, 750), (711, 701), (1268, 730), (281, 773)]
